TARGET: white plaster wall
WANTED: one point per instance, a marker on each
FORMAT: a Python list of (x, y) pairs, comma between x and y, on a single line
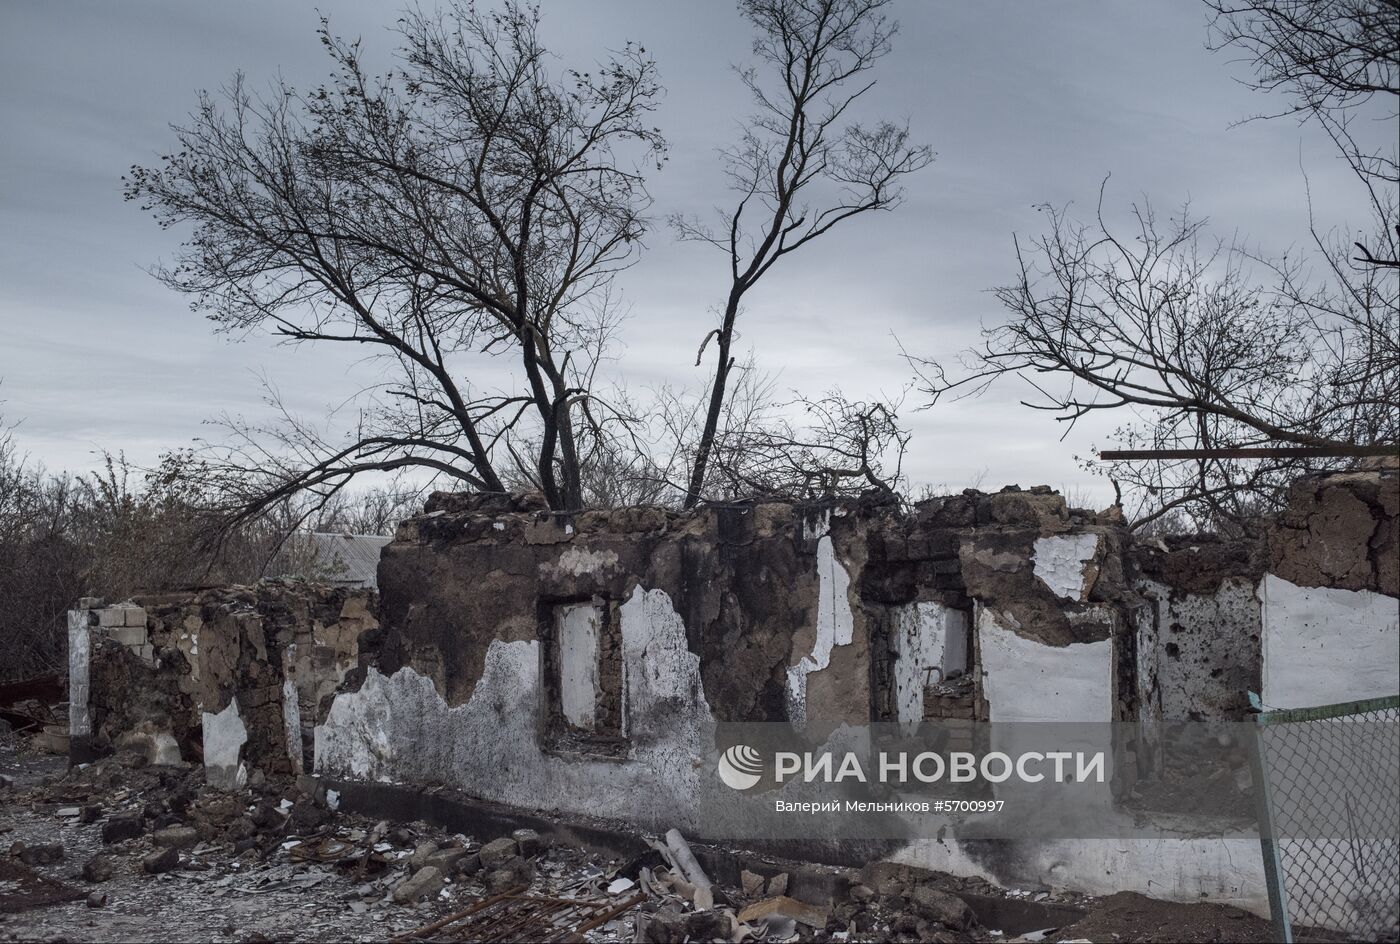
[(398, 728), (924, 634), (224, 737), (79, 673), (1059, 562), (1323, 645), (291, 721), (1210, 632), (578, 626), (1025, 680), (835, 626)]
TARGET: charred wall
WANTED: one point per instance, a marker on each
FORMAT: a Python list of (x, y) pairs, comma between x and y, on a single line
[(164, 671)]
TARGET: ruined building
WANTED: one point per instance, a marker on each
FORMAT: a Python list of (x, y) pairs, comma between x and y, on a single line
[(573, 664)]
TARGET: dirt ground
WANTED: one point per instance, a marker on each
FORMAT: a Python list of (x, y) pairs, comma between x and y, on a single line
[(274, 863)]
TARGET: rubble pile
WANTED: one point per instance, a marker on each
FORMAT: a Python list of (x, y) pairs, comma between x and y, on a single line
[(120, 850), (121, 839)]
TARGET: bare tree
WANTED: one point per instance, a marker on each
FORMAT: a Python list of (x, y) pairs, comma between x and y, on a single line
[(841, 447), (799, 169), (469, 203), (1338, 63), (1208, 344), (1215, 345)]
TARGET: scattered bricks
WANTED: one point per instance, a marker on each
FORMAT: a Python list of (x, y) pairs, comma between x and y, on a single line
[(162, 860), (948, 910), (240, 828), (268, 816), (121, 827), (528, 842), (42, 855), (446, 860), (97, 869), (176, 837), (90, 813), (512, 873), (497, 852), (307, 817), (661, 928), (423, 883), (707, 926), (420, 856), (469, 864)]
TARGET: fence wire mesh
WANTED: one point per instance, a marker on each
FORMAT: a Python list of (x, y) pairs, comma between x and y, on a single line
[(1330, 817)]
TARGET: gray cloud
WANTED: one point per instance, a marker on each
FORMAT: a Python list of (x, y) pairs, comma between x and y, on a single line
[(1024, 103)]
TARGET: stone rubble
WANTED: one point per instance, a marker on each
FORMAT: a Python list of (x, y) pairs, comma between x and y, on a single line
[(188, 862)]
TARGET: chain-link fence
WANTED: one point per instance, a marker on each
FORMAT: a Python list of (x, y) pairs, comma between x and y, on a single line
[(1330, 817)]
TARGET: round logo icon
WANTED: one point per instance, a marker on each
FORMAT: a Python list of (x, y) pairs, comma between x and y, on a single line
[(740, 767)]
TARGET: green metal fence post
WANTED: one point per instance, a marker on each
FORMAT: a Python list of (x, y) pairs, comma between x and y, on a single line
[(1268, 845)]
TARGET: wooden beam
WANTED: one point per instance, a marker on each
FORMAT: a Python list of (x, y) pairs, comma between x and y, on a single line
[(1255, 452)]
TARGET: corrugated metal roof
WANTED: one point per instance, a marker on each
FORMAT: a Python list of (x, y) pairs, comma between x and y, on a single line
[(351, 559)]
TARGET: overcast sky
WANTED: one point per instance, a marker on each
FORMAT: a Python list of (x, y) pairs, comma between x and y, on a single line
[(1024, 102)]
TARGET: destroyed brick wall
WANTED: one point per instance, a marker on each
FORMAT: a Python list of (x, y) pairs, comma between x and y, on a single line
[(576, 663), (836, 611), (235, 677), (1341, 531), (744, 580)]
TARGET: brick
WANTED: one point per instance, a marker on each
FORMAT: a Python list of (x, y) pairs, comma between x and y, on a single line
[(133, 637)]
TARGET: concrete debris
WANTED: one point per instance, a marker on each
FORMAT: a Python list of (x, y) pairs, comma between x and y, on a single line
[(98, 869), (496, 852), (46, 854), (177, 837), (121, 827), (527, 841), (162, 860), (350, 879), (513, 873), (422, 884)]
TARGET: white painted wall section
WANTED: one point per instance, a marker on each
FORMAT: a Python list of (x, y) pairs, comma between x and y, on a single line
[(1323, 645), (578, 626), (1026, 680), (925, 634), (291, 722), (79, 673), (398, 728), (224, 737), (835, 626), (1059, 562)]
